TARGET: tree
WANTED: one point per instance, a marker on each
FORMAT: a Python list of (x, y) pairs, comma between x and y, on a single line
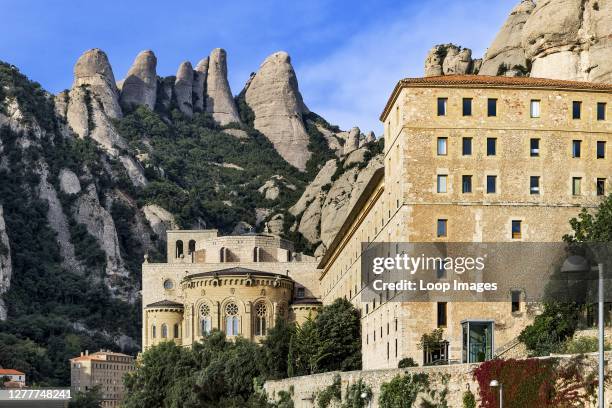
[(91, 398), (402, 390), (559, 320), (275, 349), (339, 335)]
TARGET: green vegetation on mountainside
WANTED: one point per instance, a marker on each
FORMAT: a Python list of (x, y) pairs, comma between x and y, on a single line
[(54, 313)]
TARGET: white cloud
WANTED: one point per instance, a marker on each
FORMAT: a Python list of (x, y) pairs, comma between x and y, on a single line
[(350, 86)]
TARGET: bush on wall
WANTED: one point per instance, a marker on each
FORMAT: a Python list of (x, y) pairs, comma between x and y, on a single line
[(536, 383)]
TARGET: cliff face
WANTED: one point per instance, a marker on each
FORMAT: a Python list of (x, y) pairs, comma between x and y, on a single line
[(275, 99), (5, 264), (91, 179), (558, 39)]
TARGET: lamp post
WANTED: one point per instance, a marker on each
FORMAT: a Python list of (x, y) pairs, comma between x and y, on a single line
[(495, 384), (364, 396), (576, 263)]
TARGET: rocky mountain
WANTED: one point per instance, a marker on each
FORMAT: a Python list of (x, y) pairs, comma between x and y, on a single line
[(558, 39), (91, 179)]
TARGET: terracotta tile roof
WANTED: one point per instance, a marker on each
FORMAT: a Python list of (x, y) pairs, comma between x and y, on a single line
[(503, 80), (493, 81), (235, 271), (98, 356), (10, 371)]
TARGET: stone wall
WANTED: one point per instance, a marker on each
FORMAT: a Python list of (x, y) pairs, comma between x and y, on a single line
[(304, 389)]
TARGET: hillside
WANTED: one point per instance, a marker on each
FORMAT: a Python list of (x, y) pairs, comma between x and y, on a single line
[(90, 179)]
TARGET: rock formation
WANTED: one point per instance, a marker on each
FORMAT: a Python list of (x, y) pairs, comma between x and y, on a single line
[(448, 59), (370, 137), (88, 211), (570, 39), (275, 99), (183, 88), (140, 85), (94, 100), (352, 140), (200, 74), (506, 54), (93, 69), (5, 264), (69, 184), (558, 39), (159, 219), (219, 99)]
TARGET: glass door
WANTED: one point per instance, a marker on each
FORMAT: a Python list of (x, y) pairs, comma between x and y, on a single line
[(477, 341)]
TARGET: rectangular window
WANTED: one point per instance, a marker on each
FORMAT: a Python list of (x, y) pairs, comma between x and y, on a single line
[(491, 184), (467, 146), (440, 270), (601, 186), (491, 107), (534, 185), (441, 314), (601, 111), (576, 148), (576, 185), (442, 102), (516, 300), (466, 184), (441, 187), (516, 229), (601, 149), (576, 108), (442, 146), (467, 106), (534, 108), (491, 146), (534, 147), (441, 229)]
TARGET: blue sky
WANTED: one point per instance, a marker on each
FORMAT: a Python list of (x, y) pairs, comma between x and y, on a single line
[(348, 55)]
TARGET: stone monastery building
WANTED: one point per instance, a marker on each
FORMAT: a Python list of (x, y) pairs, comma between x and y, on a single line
[(467, 159)]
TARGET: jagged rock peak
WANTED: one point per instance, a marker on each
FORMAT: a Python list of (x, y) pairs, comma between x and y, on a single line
[(140, 85), (274, 96), (219, 99), (200, 75), (448, 59), (570, 39), (352, 140), (183, 88), (93, 69), (506, 55)]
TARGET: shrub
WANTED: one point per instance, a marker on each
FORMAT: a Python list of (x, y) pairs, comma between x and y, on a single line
[(535, 383), (358, 395), (407, 362), (330, 393), (469, 400), (581, 345), (402, 390)]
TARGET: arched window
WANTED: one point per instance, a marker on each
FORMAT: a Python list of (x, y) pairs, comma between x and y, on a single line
[(204, 320), (191, 248), (164, 332), (232, 321), (153, 331), (179, 249), (223, 254), (176, 330), (256, 254), (261, 312)]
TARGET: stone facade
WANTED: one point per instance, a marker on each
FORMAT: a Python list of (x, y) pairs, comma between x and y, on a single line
[(459, 377), (239, 284), (401, 203), (104, 369)]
